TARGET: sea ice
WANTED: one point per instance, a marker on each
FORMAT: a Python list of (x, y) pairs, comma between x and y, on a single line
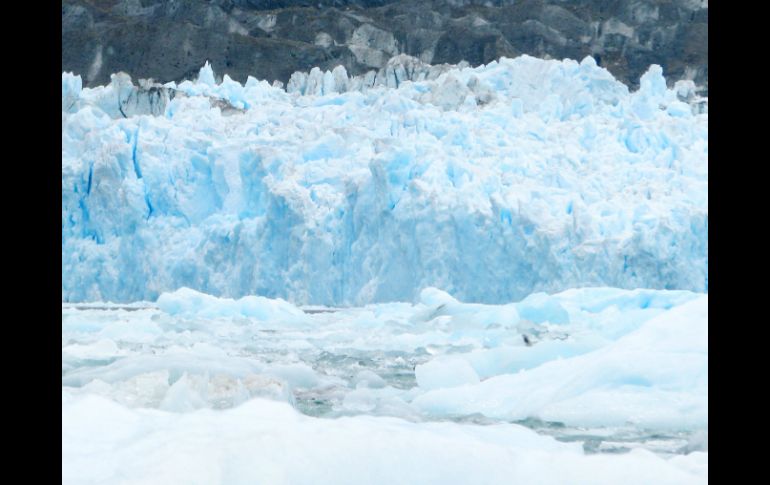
[(639, 355)]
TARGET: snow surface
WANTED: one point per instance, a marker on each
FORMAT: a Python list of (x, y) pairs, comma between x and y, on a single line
[(438, 391), (492, 183), (268, 442)]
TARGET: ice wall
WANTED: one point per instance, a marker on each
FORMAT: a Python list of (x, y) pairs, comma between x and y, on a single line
[(491, 183)]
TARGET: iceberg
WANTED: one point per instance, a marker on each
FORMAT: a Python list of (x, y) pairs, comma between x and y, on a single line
[(185, 301), (655, 376)]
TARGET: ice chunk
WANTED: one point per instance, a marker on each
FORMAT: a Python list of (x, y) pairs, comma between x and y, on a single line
[(185, 301), (206, 75), (71, 86), (656, 375), (297, 83), (446, 372), (435, 297), (367, 378), (297, 375), (182, 396), (103, 348), (539, 308)]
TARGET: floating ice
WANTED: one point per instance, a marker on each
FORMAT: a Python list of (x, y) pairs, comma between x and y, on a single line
[(655, 376), (619, 377), (495, 182), (641, 356), (185, 301), (440, 373)]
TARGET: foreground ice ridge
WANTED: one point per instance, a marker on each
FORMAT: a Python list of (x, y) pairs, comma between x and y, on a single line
[(263, 441), (493, 182)]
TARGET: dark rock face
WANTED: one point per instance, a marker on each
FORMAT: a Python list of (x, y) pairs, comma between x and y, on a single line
[(270, 39)]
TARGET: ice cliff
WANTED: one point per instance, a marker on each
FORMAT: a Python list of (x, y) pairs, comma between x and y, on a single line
[(491, 183)]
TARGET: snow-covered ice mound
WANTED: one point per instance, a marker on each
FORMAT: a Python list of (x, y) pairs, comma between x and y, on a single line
[(655, 376), (493, 182), (268, 442)]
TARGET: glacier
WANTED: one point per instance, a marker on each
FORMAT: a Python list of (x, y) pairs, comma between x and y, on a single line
[(433, 274), (612, 386), (491, 183)]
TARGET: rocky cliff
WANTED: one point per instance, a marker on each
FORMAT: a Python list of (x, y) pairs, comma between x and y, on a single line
[(170, 40)]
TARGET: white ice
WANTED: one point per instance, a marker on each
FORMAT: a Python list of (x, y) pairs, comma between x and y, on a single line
[(268, 442)]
